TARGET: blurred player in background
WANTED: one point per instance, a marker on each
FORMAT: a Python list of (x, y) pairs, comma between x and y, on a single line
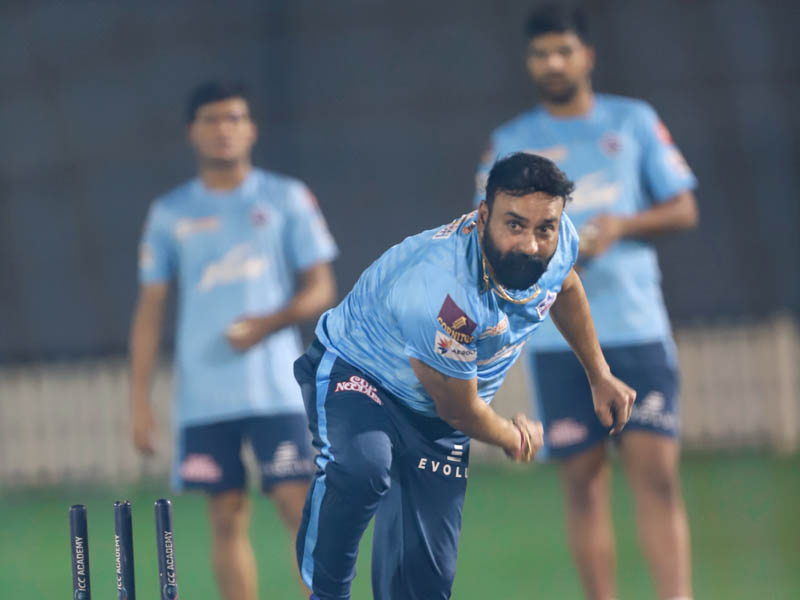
[(631, 184), (235, 239), (402, 371)]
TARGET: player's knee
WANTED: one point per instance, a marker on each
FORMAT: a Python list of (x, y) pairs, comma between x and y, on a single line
[(371, 479), (363, 470), (660, 484), (229, 516), (585, 483), (581, 495)]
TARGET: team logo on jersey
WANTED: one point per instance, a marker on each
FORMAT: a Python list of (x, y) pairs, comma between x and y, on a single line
[(456, 322), (498, 329), (259, 216), (449, 348), (544, 306), (186, 227), (361, 386), (611, 143)]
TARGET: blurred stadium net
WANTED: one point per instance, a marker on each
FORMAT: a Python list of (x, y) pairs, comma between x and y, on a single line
[(68, 422)]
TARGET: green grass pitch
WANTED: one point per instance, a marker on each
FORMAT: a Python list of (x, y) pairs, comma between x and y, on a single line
[(744, 511)]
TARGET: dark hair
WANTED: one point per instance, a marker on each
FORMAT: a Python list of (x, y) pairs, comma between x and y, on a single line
[(214, 91), (556, 18), (521, 173)]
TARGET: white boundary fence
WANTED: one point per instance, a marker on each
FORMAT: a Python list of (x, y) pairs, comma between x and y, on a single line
[(69, 422)]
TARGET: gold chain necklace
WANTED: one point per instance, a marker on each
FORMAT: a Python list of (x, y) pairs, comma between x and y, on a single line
[(490, 281)]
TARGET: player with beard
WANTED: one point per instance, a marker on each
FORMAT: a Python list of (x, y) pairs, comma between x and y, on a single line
[(631, 184), (402, 372)]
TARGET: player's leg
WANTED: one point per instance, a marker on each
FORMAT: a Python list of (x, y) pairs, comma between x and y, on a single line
[(283, 450), (575, 438), (289, 498), (232, 553), (417, 526), (652, 456), (211, 462), (353, 436), (651, 462), (586, 478)]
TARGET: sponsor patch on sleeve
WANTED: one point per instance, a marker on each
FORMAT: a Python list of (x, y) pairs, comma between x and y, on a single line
[(455, 322), (677, 163), (449, 229), (449, 348), (663, 134)]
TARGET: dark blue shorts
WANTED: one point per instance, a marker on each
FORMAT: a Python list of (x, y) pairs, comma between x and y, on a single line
[(377, 458), (564, 399), (209, 456)]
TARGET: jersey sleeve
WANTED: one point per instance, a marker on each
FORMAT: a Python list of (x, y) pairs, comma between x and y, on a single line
[(482, 174), (436, 323), (157, 252), (664, 169), (571, 243), (308, 239)]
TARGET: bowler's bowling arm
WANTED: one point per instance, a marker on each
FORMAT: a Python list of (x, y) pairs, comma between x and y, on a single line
[(573, 318), (457, 402)]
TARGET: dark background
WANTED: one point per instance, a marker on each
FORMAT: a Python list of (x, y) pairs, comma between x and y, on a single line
[(383, 109)]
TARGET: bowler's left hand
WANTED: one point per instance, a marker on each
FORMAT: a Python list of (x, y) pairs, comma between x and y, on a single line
[(246, 332), (613, 401)]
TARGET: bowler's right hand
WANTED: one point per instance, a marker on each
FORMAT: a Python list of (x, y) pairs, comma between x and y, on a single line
[(531, 439)]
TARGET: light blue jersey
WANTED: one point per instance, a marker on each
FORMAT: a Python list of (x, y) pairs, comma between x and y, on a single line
[(234, 254), (623, 161), (425, 298)]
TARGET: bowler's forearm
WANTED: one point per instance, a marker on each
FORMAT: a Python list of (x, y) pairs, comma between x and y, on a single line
[(458, 404), (479, 421)]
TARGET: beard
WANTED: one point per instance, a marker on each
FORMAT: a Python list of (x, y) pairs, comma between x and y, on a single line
[(559, 94), (513, 270)]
